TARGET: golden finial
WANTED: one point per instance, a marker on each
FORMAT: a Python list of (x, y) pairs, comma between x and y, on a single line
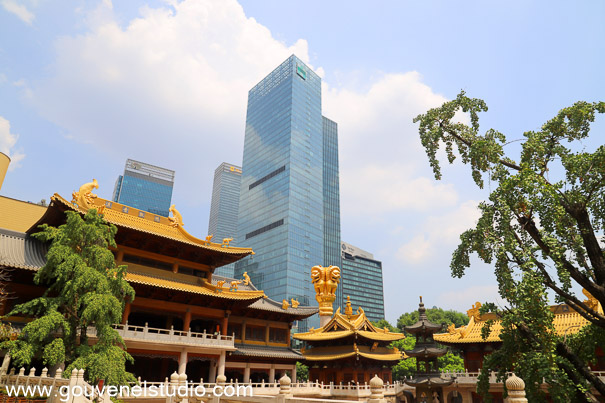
[(246, 278), (348, 308), (325, 280), (295, 303), (177, 219), (84, 197)]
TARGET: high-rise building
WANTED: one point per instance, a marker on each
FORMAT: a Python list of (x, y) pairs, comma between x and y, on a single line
[(223, 209), (146, 187), (361, 279), (289, 204)]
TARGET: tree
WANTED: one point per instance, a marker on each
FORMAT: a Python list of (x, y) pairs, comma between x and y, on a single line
[(539, 228), (435, 315), (407, 367), (86, 290), (302, 372)]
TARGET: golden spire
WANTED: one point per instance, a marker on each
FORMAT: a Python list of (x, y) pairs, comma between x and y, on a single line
[(348, 308), (325, 280)]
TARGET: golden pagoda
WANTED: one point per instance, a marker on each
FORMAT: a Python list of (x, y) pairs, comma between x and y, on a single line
[(348, 347)]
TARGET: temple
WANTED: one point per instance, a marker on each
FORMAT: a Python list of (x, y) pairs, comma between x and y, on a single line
[(348, 347), (183, 318), (467, 339)]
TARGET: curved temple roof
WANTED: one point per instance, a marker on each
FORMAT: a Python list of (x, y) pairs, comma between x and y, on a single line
[(566, 321), (332, 353), (341, 326)]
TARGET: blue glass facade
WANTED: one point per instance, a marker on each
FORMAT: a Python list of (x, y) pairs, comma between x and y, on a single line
[(145, 187), (281, 211), (331, 194), (361, 279), (224, 208)]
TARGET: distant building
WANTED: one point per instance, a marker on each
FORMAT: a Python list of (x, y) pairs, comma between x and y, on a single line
[(224, 207), (289, 205), (361, 278), (145, 187)]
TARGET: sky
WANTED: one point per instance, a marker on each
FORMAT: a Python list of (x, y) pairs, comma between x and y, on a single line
[(84, 85)]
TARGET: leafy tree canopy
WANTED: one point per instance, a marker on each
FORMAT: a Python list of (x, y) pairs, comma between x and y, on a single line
[(540, 229), (435, 315), (85, 291)]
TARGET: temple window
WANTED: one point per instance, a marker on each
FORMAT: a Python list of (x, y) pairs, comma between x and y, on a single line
[(235, 328), (157, 264), (278, 335), (255, 333)]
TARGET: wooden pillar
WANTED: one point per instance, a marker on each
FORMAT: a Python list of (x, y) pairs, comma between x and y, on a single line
[(288, 335), (212, 372), (225, 324), (267, 334), (175, 267), (243, 331), (126, 313), (187, 320), (293, 373), (120, 256)]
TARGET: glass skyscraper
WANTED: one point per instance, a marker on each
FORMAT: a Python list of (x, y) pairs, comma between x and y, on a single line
[(362, 281), (223, 209), (289, 183), (145, 187)]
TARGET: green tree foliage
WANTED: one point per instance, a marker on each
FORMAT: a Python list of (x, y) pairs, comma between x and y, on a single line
[(539, 229), (407, 367), (435, 315), (86, 290), (302, 372)]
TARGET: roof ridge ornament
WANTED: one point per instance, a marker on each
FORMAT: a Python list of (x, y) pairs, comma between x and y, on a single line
[(84, 197), (177, 219), (325, 280), (474, 311)]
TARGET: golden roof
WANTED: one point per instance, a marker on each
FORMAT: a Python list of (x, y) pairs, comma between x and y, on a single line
[(332, 353), (19, 215), (130, 217), (566, 321), (341, 326), (203, 289)]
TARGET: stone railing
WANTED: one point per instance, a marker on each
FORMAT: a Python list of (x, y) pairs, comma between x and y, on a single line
[(170, 336)]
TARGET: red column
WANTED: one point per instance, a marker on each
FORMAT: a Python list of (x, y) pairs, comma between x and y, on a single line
[(126, 313)]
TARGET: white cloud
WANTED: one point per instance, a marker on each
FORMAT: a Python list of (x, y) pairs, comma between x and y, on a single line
[(437, 235), (168, 87), (19, 10), (8, 141)]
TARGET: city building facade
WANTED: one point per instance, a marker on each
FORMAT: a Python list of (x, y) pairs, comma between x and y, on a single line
[(146, 187), (288, 173), (362, 281), (224, 207)]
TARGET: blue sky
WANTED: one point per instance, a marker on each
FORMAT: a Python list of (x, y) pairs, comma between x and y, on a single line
[(86, 84)]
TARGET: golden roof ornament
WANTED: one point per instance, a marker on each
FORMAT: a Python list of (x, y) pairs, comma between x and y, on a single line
[(177, 219), (208, 239), (295, 303), (226, 242), (84, 197), (247, 280), (591, 302), (348, 308), (285, 305), (474, 311), (325, 280)]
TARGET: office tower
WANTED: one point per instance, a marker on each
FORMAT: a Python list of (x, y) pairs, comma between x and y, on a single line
[(283, 199), (145, 186), (223, 209), (362, 281), (331, 192)]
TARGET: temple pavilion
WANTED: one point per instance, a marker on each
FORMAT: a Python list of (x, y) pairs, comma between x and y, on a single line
[(347, 347), (183, 317)]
